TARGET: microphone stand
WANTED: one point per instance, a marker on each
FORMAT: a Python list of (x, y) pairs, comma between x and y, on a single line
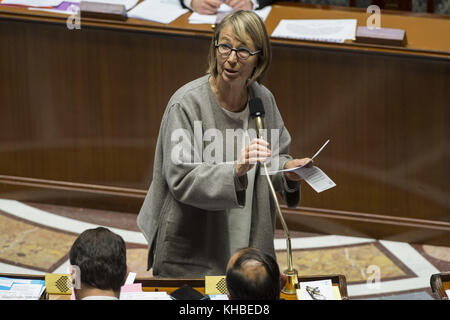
[(290, 273)]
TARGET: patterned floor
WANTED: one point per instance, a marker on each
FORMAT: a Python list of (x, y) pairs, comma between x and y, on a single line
[(36, 238)]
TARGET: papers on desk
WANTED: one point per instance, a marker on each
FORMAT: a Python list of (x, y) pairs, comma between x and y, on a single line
[(314, 176), (64, 8), (21, 289), (33, 3), (127, 3), (316, 290), (161, 11), (145, 295), (133, 291), (327, 30), (448, 293), (196, 18)]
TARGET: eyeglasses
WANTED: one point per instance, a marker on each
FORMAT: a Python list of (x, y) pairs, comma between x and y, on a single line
[(242, 53)]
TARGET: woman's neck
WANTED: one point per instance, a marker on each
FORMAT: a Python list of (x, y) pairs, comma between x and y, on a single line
[(230, 97)]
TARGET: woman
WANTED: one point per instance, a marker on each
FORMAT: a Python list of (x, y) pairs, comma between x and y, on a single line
[(203, 203)]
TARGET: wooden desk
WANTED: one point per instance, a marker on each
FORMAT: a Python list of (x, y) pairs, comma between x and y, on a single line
[(440, 282), (80, 114), (170, 285)]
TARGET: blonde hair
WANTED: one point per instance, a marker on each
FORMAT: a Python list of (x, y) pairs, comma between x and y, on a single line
[(244, 23)]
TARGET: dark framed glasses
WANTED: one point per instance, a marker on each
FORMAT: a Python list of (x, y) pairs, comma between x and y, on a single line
[(225, 50)]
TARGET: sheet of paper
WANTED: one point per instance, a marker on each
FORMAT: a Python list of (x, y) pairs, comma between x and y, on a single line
[(218, 297), (34, 3), (134, 287), (316, 290), (329, 30), (448, 293), (145, 295), (127, 3), (6, 283), (312, 158), (157, 11), (22, 291), (196, 18), (64, 8), (130, 278), (316, 178)]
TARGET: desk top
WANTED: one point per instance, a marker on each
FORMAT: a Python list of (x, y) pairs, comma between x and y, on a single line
[(427, 34), (169, 285)]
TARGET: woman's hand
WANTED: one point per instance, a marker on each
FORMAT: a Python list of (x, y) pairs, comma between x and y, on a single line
[(240, 4), (206, 6), (256, 151), (293, 164)]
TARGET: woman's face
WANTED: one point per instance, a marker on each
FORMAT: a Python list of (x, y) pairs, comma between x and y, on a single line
[(232, 69)]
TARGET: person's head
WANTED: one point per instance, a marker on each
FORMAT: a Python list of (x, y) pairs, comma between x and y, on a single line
[(240, 29), (253, 275), (99, 255)]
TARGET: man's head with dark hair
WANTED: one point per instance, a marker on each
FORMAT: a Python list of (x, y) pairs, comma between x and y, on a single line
[(99, 255), (253, 275)]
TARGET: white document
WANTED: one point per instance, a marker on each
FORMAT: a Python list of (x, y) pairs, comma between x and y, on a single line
[(127, 3), (328, 30), (130, 278), (22, 291), (448, 293), (145, 295), (157, 11), (316, 290), (314, 176), (34, 3), (196, 18)]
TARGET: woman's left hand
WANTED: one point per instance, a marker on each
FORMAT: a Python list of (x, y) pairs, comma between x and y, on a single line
[(293, 164)]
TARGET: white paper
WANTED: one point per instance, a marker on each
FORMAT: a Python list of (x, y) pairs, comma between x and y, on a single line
[(127, 3), (34, 3), (311, 159), (22, 291), (324, 287), (130, 278), (316, 178), (196, 18), (145, 295), (329, 30), (157, 11), (448, 293), (218, 297)]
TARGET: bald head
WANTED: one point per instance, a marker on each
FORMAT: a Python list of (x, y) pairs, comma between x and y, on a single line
[(253, 274)]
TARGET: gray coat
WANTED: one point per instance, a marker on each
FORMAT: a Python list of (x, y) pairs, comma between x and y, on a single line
[(183, 216)]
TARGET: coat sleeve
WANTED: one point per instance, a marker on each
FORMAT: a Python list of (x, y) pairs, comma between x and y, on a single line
[(190, 180)]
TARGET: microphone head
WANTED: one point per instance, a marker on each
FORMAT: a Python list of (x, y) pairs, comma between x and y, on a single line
[(256, 107)]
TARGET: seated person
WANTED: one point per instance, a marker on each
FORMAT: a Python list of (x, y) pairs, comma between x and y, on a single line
[(211, 6), (99, 264), (253, 275)]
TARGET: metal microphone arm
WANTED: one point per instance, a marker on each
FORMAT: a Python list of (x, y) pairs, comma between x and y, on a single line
[(291, 273)]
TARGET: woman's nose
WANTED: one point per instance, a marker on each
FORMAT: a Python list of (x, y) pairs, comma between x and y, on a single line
[(233, 57)]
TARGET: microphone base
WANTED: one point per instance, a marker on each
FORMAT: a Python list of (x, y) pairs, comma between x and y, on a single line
[(291, 282)]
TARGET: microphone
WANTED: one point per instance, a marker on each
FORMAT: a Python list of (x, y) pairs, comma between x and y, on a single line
[(257, 112)]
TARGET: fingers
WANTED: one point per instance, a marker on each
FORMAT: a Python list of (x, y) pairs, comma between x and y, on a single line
[(206, 6), (256, 151), (240, 4)]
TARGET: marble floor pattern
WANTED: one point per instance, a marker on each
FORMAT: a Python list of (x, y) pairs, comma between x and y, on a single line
[(36, 238)]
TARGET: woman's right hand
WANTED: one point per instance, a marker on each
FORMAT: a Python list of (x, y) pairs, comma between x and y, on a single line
[(206, 6), (256, 151)]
